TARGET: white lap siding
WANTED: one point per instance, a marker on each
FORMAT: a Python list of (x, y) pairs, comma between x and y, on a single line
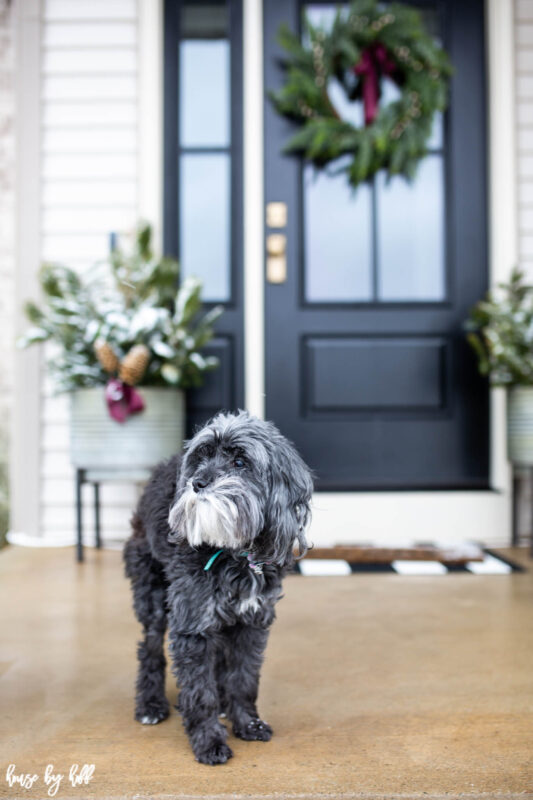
[(89, 180), (7, 199), (524, 117)]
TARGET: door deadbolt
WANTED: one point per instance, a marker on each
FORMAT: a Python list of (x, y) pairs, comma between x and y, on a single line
[(276, 247)]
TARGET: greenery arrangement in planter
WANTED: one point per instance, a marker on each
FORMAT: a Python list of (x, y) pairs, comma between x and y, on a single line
[(126, 326), (500, 330)]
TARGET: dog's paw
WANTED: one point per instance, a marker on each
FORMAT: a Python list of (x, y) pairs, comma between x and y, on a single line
[(152, 712), (254, 731), (216, 754)]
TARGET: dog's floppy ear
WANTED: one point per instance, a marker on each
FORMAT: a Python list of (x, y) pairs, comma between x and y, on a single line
[(288, 505), (176, 518)]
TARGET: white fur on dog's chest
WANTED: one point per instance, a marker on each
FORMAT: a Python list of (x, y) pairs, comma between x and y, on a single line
[(251, 603), (257, 600), (253, 599)]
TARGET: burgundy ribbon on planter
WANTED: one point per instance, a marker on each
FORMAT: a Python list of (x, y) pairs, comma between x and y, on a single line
[(374, 62), (122, 400)]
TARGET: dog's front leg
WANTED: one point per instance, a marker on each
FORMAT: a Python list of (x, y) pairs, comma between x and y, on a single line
[(245, 648), (194, 658)]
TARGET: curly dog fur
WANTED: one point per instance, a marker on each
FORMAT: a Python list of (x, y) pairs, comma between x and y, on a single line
[(213, 536)]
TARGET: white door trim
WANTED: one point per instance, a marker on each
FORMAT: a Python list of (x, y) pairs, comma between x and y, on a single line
[(25, 426), (254, 314), (503, 199)]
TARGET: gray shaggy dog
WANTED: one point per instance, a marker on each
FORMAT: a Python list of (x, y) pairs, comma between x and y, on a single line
[(213, 536)]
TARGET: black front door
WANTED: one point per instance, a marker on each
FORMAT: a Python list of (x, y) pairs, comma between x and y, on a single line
[(367, 369)]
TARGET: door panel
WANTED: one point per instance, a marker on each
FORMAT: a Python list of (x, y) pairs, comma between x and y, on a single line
[(367, 369), (337, 369)]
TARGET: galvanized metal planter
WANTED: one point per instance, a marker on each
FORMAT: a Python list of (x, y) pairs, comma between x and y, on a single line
[(520, 425), (144, 439)]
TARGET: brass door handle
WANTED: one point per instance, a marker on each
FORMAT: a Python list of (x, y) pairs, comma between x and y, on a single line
[(276, 247)]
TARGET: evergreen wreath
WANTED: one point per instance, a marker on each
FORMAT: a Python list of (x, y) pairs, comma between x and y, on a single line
[(366, 43)]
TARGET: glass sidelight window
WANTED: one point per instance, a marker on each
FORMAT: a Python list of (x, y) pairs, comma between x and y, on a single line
[(384, 241), (203, 200), (204, 151)]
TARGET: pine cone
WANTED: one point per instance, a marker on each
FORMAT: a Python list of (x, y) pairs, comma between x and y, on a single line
[(133, 365), (106, 355)]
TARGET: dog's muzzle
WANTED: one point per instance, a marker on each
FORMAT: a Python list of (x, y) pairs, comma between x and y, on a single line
[(223, 513)]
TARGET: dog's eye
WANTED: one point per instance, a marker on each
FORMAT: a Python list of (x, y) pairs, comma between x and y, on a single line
[(205, 451), (238, 462)]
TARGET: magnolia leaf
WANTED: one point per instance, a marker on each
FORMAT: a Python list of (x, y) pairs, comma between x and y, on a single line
[(198, 360), (32, 336), (146, 319), (118, 319), (171, 373), (92, 330), (212, 315), (162, 349), (33, 313), (144, 238), (187, 300)]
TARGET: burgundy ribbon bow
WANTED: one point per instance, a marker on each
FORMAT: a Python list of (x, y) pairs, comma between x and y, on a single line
[(374, 62), (122, 400)]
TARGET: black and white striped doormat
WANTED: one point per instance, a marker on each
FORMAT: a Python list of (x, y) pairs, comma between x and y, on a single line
[(492, 564)]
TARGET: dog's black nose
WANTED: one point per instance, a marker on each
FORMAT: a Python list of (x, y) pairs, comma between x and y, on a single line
[(199, 483)]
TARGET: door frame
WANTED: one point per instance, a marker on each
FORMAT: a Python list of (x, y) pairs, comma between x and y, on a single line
[(379, 516)]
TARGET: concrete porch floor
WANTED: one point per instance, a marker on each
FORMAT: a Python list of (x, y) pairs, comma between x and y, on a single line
[(375, 685)]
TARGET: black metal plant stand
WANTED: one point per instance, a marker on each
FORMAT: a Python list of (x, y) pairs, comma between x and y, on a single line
[(97, 477), (81, 478)]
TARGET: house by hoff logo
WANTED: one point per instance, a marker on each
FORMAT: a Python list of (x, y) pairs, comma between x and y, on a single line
[(77, 776)]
